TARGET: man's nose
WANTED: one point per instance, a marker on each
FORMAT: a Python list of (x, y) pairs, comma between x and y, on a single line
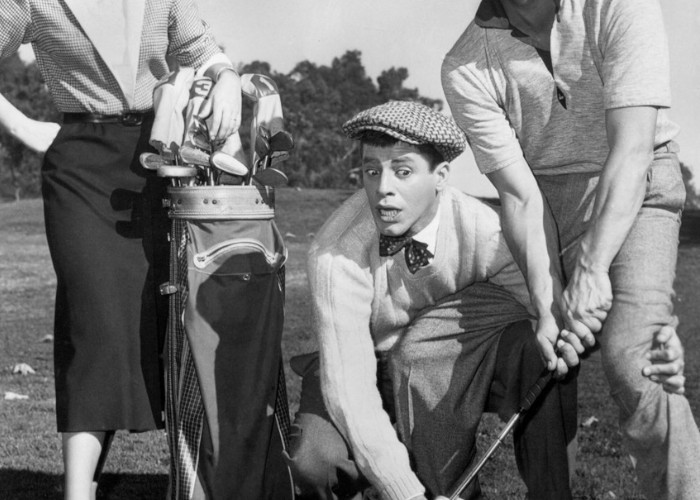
[(385, 184)]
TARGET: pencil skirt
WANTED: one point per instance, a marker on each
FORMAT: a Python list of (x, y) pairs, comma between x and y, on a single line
[(107, 234)]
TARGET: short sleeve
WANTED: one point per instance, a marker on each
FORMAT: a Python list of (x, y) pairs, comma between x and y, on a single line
[(634, 49), (191, 40), (15, 26), (473, 102)]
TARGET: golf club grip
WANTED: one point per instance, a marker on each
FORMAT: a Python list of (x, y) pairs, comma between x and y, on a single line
[(536, 390)]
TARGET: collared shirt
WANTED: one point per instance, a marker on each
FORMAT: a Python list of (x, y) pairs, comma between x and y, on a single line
[(362, 303), (605, 54), (74, 68)]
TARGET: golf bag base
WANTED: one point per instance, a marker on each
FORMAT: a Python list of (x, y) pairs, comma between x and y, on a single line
[(227, 414)]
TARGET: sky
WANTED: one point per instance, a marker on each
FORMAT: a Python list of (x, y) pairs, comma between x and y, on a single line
[(416, 34)]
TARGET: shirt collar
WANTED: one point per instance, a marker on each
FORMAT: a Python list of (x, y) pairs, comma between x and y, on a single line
[(491, 14), (428, 234)]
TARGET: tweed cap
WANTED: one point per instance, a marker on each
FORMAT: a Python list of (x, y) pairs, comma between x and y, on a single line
[(413, 123)]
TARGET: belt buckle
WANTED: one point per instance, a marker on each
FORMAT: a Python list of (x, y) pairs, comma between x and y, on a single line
[(132, 119)]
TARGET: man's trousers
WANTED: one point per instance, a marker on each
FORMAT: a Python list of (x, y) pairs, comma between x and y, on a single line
[(436, 383)]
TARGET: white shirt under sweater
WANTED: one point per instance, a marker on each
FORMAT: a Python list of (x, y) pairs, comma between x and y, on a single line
[(362, 302)]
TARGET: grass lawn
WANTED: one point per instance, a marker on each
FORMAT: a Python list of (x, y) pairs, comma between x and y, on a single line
[(30, 456)]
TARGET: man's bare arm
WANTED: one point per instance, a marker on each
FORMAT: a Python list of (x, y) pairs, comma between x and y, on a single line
[(531, 233)]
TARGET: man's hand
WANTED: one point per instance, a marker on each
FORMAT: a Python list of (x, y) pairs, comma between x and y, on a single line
[(585, 303), (222, 109), (556, 353), (667, 361), (34, 134)]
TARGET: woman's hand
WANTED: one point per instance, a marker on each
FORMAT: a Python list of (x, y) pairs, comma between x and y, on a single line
[(222, 109)]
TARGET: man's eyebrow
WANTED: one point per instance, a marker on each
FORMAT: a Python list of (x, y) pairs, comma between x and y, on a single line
[(402, 160), (370, 160)]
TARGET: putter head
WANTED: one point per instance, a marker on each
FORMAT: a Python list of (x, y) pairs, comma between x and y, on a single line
[(271, 177), (194, 156), (281, 141), (227, 163), (151, 161)]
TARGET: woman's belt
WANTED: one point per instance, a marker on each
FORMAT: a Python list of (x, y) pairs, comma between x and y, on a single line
[(126, 119)]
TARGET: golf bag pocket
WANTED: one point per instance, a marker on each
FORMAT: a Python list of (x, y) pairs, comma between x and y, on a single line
[(255, 247)]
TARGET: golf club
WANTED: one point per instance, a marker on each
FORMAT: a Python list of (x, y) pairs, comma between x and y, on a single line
[(271, 177), (227, 163), (525, 405), (177, 173), (281, 141), (151, 161)]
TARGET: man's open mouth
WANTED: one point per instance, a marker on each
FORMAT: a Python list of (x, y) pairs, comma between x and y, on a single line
[(388, 214)]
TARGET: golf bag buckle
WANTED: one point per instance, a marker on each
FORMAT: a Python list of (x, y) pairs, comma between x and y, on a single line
[(168, 289)]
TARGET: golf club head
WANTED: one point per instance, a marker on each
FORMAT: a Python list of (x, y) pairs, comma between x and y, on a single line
[(262, 143), (227, 163), (200, 139), (278, 157), (271, 177), (176, 171), (151, 161), (194, 156), (281, 141)]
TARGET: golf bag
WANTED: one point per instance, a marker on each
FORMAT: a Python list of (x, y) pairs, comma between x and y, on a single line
[(227, 416)]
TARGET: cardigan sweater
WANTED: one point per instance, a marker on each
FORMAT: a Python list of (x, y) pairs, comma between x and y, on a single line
[(361, 303)]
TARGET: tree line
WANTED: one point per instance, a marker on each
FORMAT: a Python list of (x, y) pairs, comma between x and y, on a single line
[(316, 100)]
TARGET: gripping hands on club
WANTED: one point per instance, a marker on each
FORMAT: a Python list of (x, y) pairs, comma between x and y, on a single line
[(585, 305)]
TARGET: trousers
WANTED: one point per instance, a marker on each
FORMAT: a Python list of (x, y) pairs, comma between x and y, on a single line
[(436, 383), (658, 429)]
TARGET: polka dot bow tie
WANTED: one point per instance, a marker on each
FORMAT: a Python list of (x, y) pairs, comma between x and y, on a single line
[(416, 252)]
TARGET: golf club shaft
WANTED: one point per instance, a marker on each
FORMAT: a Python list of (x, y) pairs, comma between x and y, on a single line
[(529, 399)]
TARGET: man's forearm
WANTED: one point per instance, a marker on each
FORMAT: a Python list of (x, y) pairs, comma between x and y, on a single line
[(530, 231), (619, 197)]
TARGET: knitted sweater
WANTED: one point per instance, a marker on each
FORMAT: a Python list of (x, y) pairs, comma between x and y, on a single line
[(362, 302)]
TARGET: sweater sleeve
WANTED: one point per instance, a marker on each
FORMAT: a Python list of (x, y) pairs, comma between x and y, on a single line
[(341, 293)]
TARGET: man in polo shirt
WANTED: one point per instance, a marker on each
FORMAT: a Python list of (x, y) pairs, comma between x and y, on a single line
[(420, 314), (564, 103)]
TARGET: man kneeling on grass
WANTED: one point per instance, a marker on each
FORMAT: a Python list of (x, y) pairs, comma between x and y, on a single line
[(422, 321)]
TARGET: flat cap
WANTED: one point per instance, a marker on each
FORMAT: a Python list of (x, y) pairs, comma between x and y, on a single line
[(413, 123)]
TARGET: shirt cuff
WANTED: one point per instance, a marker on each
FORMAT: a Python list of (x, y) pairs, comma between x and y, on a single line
[(213, 66)]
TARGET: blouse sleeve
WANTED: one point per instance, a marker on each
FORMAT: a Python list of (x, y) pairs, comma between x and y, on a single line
[(191, 41), (15, 26)]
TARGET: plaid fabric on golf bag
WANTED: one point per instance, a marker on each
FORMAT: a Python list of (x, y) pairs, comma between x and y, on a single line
[(227, 415)]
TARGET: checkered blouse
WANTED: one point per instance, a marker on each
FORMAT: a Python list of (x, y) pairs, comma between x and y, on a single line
[(77, 77)]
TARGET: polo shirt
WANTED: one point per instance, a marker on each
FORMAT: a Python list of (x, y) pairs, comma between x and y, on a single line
[(605, 54)]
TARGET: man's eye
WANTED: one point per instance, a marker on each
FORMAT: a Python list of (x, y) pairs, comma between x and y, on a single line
[(371, 172), (403, 172)]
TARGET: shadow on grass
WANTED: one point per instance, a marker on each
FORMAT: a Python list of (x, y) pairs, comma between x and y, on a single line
[(33, 485), (690, 228)]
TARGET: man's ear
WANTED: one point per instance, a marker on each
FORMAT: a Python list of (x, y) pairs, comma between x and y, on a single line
[(442, 171)]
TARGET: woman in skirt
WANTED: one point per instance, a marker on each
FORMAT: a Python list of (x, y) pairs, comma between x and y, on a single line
[(105, 224)]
